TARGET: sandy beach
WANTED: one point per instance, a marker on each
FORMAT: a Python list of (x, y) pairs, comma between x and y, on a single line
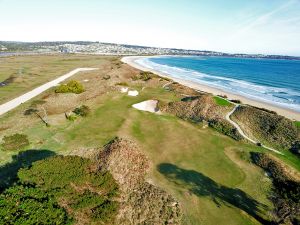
[(293, 115)]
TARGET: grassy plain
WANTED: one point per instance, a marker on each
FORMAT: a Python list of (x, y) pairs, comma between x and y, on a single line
[(210, 174), (28, 72)]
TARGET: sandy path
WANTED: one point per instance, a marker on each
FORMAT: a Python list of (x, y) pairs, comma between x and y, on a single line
[(31, 94)]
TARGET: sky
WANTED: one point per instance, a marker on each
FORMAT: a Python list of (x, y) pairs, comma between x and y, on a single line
[(234, 26)]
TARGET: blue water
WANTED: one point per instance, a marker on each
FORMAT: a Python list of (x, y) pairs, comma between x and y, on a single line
[(268, 80)]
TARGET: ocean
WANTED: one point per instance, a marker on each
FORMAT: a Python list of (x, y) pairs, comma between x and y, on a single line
[(273, 81)]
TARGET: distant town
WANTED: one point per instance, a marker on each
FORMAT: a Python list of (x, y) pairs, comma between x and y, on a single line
[(17, 48)]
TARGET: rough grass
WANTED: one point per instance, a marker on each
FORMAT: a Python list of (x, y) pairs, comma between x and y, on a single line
[(207, 172), (14, 142), (199, 153), (29, 72), (221, 101)]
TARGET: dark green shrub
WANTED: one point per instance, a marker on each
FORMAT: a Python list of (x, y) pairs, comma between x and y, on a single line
[(14, 142), (144, 76), (82, 111), (29, 205), (84, 189), (226, 128), (30, 111), (72, 86), (106, 77), (236, 101), (286, 189), (296, 148), (60, 190)]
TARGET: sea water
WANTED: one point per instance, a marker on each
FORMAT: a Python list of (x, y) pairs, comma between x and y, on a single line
[(268, 80)]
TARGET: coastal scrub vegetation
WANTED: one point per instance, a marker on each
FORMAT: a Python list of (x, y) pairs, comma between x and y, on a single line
[(270, 128), (286, 189), (59, 190), (30, 111), (72, 86), (14, 142), (30, 205), (204, 108), (225, 127), (82, 111), (143, 75)]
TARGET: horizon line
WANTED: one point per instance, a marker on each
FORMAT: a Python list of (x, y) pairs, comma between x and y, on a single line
[(146, 46)]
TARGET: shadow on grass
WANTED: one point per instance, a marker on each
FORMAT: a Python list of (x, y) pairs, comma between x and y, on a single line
[(8, 172), (201, 185)]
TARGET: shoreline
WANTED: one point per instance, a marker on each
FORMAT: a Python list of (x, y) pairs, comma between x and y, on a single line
[(288, 113)]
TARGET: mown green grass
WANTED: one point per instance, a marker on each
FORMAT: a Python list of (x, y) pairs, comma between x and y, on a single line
[(221, 101), (297, 123), (200, 155)]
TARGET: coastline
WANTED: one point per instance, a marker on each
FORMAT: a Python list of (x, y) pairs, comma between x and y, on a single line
[(293, 115)]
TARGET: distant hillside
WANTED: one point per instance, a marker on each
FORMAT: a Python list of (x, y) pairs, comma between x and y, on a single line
[(118, 49)]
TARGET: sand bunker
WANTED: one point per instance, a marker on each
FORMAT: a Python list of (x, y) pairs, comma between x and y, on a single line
[(124, 89), (149, 106), (133, 93)]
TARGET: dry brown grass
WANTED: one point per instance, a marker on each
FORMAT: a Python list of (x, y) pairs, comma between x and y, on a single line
[(28, 72)]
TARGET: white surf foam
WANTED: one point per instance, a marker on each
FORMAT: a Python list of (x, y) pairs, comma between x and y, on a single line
[(272, 95)]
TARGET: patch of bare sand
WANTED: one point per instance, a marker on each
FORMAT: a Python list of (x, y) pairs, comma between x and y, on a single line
[(133, 93), (149, 106)]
